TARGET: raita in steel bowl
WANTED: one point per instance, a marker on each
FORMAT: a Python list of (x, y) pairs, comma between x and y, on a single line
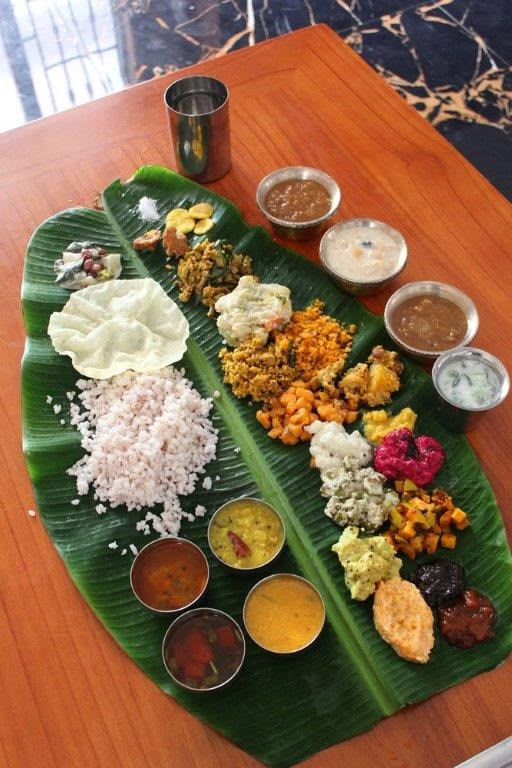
[(469, 382)]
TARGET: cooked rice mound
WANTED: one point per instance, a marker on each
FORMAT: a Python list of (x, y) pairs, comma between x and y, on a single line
[(147, 437)]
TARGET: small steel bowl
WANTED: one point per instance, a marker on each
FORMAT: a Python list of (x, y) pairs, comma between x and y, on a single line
[(435, 289), (168, 542), (361, 287), (454, 416), (295, 650), (266, 563), (183, 619), (298, 230)]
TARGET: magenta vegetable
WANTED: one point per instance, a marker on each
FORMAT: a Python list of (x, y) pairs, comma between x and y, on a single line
[(402, 456)]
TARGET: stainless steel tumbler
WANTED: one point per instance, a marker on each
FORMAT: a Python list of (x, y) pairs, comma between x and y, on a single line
[(197, 109)]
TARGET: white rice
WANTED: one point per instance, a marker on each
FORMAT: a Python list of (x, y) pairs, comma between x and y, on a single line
[(207, 483), (82, 485), (147, 438), (49, 399), (32, 513), (57, 409)]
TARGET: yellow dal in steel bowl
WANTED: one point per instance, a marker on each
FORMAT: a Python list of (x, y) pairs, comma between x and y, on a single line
[(284, 613)]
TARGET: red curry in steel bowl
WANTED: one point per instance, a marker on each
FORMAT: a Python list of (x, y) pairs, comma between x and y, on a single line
[(203, 649)]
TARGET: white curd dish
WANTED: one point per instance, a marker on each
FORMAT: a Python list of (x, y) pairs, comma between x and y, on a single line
[(469, 382), (363, 255)]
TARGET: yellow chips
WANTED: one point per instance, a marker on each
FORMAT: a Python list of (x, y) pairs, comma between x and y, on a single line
[(197, 219), (201, 211), (203, 226), (175, 216)]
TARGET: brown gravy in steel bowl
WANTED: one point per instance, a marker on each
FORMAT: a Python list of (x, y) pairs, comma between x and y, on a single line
[(298, 200), (430, 323)]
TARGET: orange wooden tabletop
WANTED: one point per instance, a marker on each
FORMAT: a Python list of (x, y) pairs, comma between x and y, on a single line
[(70, 697)]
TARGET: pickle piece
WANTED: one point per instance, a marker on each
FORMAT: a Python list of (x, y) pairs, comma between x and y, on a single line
[(203, 226), (175, 216), (201, 211), (148, 241), (185, 225)]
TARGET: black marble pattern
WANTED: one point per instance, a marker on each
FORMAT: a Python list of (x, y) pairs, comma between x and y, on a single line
[(450, 59), (489, 22), (452, 76)]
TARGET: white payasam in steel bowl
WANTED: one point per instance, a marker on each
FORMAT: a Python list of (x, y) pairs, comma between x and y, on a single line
[(363, 255)]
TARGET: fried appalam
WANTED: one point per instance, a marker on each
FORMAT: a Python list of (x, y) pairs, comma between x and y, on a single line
[(403, 619)]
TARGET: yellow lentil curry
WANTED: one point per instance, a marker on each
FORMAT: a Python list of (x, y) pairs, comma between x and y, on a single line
[(284, 613), (246, 533)]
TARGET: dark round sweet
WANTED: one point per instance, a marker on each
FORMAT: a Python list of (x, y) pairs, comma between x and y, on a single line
[(439, 581)]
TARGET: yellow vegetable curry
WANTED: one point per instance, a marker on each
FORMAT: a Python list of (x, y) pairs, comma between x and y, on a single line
[(246, 533)]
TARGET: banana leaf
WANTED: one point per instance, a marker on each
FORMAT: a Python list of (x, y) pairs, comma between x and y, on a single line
[(279, 709)]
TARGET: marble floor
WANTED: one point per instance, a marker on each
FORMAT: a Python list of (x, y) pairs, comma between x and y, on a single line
[(450, 59)]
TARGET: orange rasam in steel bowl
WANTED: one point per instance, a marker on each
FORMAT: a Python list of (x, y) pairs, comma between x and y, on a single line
[(169, 575)]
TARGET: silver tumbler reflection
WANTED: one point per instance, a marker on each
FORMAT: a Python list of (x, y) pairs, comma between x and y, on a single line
[(197, 109)]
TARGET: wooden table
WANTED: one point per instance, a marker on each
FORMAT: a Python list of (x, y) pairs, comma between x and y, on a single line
[(70, 697)]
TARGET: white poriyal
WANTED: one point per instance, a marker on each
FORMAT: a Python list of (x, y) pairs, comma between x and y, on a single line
[(357, 496), (118, 326), (356, 492), (252, 309), (331, 443)]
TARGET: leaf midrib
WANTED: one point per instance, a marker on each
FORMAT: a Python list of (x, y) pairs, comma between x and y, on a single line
[(269, 486)]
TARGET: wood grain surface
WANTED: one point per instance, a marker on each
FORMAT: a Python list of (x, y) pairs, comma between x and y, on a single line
[(70, 697)]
